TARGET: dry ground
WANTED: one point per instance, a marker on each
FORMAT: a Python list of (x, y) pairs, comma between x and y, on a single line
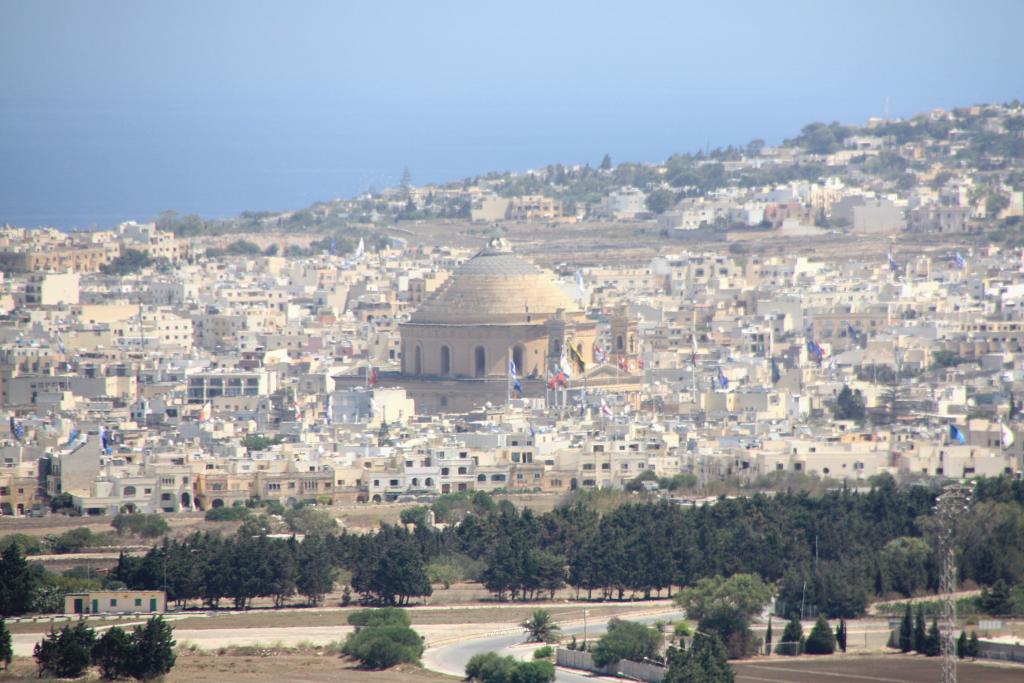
[(894, 668)]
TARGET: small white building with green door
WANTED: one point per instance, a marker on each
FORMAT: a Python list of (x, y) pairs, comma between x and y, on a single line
[(116, 602)]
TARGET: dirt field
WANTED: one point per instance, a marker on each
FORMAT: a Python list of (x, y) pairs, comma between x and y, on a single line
[(893, 668), (262, 666)]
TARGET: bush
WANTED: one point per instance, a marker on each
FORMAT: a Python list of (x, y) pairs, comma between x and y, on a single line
[(382, 647), (147, 526), (30, 545), (226, 514), (626, 640), (792, 642), (384, 616), (113, 654), (490, 667), (65, 653), (545, 652), (821, 641), (308, 520)]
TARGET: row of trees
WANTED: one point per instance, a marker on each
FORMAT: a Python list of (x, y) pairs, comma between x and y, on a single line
[(144, 654), (833, 552)]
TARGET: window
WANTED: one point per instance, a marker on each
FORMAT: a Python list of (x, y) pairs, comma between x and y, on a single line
[(138, 602), (480, 361), (113, 602)]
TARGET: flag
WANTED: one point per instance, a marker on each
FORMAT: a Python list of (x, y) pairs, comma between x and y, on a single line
[(562, 379), (581, 290), (533, 431), (960, 260), (815, 350), (577, 358), (205, 413), (12, 425), (1008, 437), (373, 377), (512, 368), (640, 363), (552, 381), (73, 437), (605, 408), (330, 409), (361, 249), (723, 381), (623, 363), (776, 372), (893, 265), (599, 354), (956, 434), (19, 430), (853, 333), (563, 364), (517, 386), (693, 356)]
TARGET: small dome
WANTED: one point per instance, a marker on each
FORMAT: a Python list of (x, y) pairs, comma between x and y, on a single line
[(495, 287)]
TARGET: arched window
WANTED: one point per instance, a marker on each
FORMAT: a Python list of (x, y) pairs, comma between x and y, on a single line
[(446, 361), (418, 360), (519, 358), (480, 361), (129, 491)]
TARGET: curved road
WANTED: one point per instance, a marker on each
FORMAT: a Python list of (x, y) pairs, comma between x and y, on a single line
[(452, 659)]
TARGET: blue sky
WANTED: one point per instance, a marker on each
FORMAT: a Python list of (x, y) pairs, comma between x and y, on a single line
[(119, 109)]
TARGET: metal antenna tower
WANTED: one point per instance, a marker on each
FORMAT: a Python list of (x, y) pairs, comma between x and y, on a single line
[(954, 500)]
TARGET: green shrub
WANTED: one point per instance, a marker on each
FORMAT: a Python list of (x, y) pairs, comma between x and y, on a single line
[(545, 652), (626, 640), (821, 641), (384, 616), (382, 647), (144, 525), (65, 653), (226, 514)]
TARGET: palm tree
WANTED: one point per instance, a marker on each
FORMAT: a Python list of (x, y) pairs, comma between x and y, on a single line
[(540, 628)]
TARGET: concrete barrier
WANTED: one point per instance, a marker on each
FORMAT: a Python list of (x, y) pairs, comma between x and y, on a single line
[(1003, 652)]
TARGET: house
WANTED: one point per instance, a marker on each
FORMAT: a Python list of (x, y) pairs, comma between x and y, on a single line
[(116, 602)]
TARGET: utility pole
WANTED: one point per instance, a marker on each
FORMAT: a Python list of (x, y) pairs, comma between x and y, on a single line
[(954, 501)]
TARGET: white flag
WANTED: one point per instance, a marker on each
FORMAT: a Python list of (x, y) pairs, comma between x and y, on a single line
[(361, 249), (1008, 437)]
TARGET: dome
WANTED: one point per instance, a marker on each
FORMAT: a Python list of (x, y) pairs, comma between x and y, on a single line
[(495, 287)]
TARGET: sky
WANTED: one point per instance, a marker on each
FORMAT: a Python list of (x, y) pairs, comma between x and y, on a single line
[(116, 110)]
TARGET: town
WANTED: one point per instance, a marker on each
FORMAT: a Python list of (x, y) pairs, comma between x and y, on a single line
[(838, 315)]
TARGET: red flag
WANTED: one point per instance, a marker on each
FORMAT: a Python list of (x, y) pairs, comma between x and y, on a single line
[(373, 377)]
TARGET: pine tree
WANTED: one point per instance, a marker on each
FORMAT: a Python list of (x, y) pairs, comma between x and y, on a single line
[(6, 650), (17, 582), (932, 641), (821, 641), (154, 649), (606, 162), (792, 638), (907, 631), (114, 654), (768, 637), (961, 645), (841, 634), (920, 634), (972, 645)]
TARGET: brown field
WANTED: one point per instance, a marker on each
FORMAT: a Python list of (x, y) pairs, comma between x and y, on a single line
[(894, 668), (260, 666)]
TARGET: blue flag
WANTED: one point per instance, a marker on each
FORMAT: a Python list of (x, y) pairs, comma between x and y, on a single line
[(960, 260), (517, 387), (776, 373), (956, 434), (723, 381)]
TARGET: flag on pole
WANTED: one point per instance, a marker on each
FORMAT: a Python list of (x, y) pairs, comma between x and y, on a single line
[(605, 408), (330, 409), (956, 435), (1008, 437), (960, 260), (517, 386), (361, 249), (577, 358), (599, 354), (512, 368), (776, 372), (73, 436), (723, 381), (581, 290), (205, 413), (564, 366), (816, 351), (893, 265), (373, 377)]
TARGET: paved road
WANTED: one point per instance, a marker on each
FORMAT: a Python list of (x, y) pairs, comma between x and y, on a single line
[(452, 659)]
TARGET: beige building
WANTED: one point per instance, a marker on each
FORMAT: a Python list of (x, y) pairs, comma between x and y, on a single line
[(116, 602)]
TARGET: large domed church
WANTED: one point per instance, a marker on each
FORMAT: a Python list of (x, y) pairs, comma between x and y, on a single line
[(496, 310)]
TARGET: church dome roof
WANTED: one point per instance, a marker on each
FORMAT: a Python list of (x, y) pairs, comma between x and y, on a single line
[(495, 287)]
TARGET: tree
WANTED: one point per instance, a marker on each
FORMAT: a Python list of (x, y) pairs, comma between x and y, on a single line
[(6, 649), (114, 653), (792, 642), (606, 162), (626, 640), (705, 661), (768, 637), (153, 649), (932, 641), (315, 572), (130, 261), (660, 201), (849, 405), (972, 645), (821, 641), (65, 653), (961, 645), (907, 631), (904, 565), (17, 582), (997, 600), (541, 628), (841, 634), (490, 667), (383, 646), (920, 634), (725, 606)]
